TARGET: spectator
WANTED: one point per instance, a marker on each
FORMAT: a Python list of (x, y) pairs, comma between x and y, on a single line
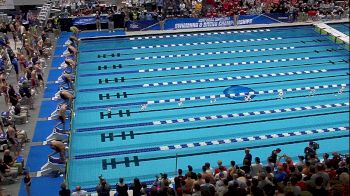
[(164, 181), (256, 168), (103, 188), (221, 187), (280, 174), (189, 182), (98, 20), (217, 170), (192, 174), (136, 187), (274, 155), (196, 190), (246, 166), (122, 188), (320, 173), (79, 192), (209, 170), (64, 191), (199, 180), (207, 185), (11, 162), (28, 182), (110, 22), (178, 179), (301, 161), (319, 189)]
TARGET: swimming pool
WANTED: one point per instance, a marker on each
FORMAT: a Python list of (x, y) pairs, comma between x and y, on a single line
[(153, 104), (342, 27)]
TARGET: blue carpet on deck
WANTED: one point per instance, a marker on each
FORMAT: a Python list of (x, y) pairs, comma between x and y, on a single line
[(50, 90), (47, 107), (43, 129), (42, 186), (59, 51), (56, 61), (54, 74), (61, 41), (37, 157)]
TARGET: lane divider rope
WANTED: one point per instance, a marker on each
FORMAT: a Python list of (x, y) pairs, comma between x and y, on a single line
[(223, 64), (235, 78), (172, 100), (246, 93), (227, 52), (206, 43), (199, 34), (201, 118), (213, 117), (214, 142), (156, 84), (213, 53), (201, 66)]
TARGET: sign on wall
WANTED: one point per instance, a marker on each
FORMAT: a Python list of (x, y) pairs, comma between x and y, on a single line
[(6, 4), (194, 23)]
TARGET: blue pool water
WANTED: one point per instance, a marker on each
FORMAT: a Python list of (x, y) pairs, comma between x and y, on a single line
[(342, 27), (152, 104)]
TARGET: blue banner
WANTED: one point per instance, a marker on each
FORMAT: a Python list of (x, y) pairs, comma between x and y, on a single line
[(194, 23), (255, 19), (87, 20), (282, 17), (142, 25)]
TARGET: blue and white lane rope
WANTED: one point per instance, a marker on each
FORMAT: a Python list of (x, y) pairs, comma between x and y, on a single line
[(246, 93), (198, 34), (204, 118), (252, 138), (227, 52), (214, 53), (172, 100), (236, 77), (207, 65), (156, 84), (223, 64), (206, 43), (201, 118), (214, 142)]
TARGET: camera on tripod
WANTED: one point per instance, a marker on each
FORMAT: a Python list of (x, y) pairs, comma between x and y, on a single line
[(314, 145)]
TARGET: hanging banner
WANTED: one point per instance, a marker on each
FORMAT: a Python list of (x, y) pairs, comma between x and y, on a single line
[(195, 23), (255, 19), (7, 4)]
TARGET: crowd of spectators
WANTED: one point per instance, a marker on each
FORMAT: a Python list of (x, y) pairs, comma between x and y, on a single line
[(310, 175), (301, 10), (24, 51)]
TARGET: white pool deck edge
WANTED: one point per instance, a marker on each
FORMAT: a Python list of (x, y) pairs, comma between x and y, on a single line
[(333, 32)]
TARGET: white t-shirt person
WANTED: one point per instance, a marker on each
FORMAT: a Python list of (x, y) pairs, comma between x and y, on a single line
[(79, 192)]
